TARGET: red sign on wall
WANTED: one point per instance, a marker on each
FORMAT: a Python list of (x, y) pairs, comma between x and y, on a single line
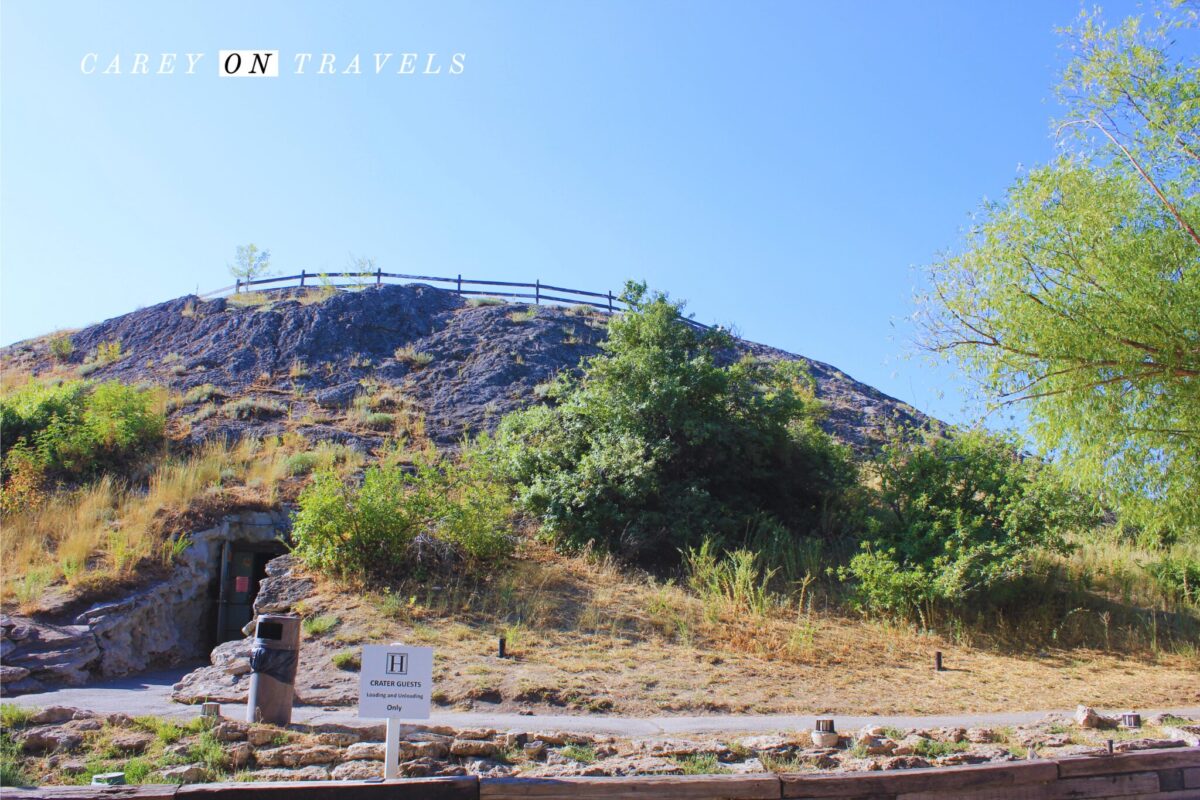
[(241, 583)]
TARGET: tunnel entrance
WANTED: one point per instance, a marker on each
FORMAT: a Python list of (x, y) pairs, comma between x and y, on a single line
[(243, 567)]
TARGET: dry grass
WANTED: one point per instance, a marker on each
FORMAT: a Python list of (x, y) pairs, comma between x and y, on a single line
[(109, 532), (588, 636)]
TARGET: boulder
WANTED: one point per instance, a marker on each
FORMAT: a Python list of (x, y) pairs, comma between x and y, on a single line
[(53, 714), (283, 587), (296, 755), (50, 739), (230, 731), (313, 773), (476, 748), (239, 754), (1088, 717), (368, 751), (131, 742), (357, 771), (185, 773)]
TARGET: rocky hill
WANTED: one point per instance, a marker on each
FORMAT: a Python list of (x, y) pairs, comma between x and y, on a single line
[(350, 366)]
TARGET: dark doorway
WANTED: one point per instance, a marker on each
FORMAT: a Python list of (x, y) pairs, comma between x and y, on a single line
[(243, 567)]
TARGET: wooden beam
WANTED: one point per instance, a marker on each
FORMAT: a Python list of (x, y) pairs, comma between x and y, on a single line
[(893, 782), (667, 787), (1139, 761), (452, 788), (146, 792), (1106, 786)]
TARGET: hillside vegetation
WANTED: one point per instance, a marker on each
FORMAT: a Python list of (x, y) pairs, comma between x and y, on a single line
[(704, 472)]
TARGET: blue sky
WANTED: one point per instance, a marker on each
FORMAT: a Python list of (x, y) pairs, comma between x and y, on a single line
[(784, 166)]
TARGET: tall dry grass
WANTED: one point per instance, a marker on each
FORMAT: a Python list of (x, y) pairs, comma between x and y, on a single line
[(103, 532)]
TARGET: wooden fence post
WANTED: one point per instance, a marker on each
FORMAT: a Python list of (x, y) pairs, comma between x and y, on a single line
[(237, 287), (610, 299), (460, 283), (378, 276), (302, 274), (537, 291)]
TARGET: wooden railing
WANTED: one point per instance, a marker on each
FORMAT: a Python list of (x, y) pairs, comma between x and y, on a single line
[(605, 301), (1172, 774)]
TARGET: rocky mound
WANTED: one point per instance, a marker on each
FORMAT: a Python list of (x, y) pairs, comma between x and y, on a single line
[(346, 366)]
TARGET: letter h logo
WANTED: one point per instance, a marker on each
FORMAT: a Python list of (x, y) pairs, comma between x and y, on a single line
[(397, 663)]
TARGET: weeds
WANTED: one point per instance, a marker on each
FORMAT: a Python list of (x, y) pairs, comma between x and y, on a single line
[(583, 753), (346, 659), (319, 625), (413, 357)]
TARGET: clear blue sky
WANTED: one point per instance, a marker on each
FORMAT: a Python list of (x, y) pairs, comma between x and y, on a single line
[(783, 166)]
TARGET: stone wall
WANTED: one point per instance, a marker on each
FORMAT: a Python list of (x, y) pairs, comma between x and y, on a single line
[(158, 625)]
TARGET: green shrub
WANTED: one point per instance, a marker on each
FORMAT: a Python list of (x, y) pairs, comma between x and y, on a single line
[(76, 428), (583, 753), (319, 625), (665, 441), (14, 716), (410, 355), (701, 764), (1177, 577), (61, 347), (254, 408), (379, 420), (301, 463), (346, 659), (366, 530), (962, 517), (200, 394), (108, 352)]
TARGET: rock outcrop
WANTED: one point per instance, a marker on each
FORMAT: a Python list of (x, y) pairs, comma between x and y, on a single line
[(461, 366), (164, 623)]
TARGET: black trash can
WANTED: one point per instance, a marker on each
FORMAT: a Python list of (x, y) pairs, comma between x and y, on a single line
[(273, 660)]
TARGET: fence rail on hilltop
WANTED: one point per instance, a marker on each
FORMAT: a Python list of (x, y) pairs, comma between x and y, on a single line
[(541, 291)]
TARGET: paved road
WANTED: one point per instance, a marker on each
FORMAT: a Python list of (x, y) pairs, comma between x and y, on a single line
[(151, 694)]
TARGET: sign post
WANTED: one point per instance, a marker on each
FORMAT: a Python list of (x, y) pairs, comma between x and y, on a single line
[(395, 683)]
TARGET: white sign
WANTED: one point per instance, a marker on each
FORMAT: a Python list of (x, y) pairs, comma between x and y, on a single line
[(395, 681)]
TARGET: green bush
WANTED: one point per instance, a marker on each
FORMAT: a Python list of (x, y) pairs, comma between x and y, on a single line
[(961, 519), (367, 529), (1178, 578), (668, 439), (61, 346), (301, 463), (254, 408), (76, 428)]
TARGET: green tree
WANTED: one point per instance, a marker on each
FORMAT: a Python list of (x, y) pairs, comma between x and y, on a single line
[(961, 517), (669, 438), (250, 263), (1078, 294)]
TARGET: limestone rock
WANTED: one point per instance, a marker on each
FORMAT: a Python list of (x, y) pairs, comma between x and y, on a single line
[(475, 748), (283, 587), (50, 739), (131, 742), (295, 755), (1088, 717), (240, 754), (357, 771), (905, 762), (366, 751), (313, 773), (1133, 745), (186, 773), (230, 731), (12, 674), (53, 714), (981, 735), (260, 735)]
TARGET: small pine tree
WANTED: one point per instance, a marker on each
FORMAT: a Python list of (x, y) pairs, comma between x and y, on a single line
[(250, 263)]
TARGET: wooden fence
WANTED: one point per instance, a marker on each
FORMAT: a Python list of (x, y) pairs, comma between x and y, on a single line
[(1172, 774), (606, 301)]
